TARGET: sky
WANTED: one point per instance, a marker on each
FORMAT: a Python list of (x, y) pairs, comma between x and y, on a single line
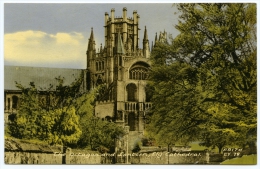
[(56, 34)]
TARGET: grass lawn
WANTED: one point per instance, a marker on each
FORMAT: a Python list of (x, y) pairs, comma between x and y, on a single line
[(196, 146), (246, 159)]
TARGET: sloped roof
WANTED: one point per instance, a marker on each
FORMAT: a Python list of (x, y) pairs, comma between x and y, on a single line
[(41, 76)]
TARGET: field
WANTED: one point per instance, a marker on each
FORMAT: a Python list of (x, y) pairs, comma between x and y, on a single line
[(196, 146), (246, 159)]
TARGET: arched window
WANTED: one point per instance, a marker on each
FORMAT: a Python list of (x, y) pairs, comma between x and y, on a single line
[(8, 103), (103, 65), (120, 61), (100, 66), (96, 66), (131, 92), (15, 102), (139, 71)]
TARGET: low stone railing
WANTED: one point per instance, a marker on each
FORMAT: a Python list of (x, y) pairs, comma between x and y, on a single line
[(138, 106)]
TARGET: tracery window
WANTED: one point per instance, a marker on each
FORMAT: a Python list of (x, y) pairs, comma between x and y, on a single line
[(138, 73), (100, 65)]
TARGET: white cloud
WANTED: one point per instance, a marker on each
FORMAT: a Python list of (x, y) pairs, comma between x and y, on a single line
[(36, 48)]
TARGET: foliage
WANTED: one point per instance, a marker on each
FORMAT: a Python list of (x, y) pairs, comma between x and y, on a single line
[(137, 147), (245, 160), (48, 115), (62, 115), (148, 141), (205, 80), (101, 134)]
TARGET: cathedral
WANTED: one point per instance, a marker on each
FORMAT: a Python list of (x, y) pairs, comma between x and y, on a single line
[(122, 67), (119, 67)]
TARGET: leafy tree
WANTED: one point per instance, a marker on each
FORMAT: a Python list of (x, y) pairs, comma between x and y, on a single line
[(48, 115), (205, 80), (101, 134), (63, 115)]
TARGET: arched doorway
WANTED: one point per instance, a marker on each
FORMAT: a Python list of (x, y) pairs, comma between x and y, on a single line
[(131, 121)]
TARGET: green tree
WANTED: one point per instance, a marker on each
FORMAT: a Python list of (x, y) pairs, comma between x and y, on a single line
[(64, 115), (48, 115), (205, 80), (101, 134)]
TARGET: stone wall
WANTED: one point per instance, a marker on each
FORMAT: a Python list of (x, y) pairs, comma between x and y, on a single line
[(103, 109), (164, 157), (22, 152), (31, 158)]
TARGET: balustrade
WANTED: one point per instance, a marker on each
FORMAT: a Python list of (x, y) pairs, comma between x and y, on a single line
[(137, 106)]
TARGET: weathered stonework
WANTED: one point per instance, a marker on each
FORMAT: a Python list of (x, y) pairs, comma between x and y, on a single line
[(122, 68), (22, 152)]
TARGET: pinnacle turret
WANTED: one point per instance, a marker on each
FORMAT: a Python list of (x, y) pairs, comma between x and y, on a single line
[(92, 34), (145, 34), (91, 51), (91, 41), (146, 48)]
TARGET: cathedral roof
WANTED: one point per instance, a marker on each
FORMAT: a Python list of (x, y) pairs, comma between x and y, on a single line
[(41, 76)]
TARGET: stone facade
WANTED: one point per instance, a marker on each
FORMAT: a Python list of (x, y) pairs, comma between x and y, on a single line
[(22, 152), (121, 67)]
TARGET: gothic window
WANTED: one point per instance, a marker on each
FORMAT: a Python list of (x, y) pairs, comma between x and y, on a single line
[(131, 92), (139, 71), (103, 67), (15, 102), (96, 66), (100, 66), (8, 103)]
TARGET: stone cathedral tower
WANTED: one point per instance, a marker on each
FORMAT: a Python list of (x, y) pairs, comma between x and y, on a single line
[(121, 67)]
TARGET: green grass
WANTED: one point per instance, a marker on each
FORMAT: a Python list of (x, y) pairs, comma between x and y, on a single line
[(246, 159), (196, 146)]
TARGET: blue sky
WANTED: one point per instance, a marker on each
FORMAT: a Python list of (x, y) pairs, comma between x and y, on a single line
[(56, 34)]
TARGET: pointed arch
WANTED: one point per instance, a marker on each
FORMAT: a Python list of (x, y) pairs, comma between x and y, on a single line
[(139, 71)]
